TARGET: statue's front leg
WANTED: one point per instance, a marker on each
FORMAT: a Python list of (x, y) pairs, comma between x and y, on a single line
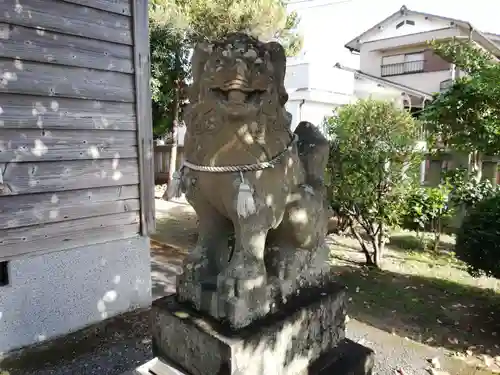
[(243, 289), (208, 257), (247, 261)]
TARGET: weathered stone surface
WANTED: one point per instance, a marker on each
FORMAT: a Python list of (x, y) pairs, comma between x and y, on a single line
[(289, 270), (283, 343), (237, 117)]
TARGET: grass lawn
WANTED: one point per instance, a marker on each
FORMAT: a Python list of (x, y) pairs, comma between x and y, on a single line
[(425, 296)]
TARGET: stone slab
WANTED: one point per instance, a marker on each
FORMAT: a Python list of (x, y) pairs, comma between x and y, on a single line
[(348, 358), (287, 342)]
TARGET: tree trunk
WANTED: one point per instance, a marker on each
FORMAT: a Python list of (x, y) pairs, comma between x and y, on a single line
[(437, 241), (173, 152), (364, 249), (175, 125), (437, 228), (475, 166), (378, 243)]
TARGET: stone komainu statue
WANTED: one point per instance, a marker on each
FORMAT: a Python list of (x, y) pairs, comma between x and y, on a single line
[(245, 173)]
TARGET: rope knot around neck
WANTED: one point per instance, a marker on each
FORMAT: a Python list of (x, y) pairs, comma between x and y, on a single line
[(245, 202)]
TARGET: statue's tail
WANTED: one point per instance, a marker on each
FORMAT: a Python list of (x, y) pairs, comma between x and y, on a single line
[(313, 150)]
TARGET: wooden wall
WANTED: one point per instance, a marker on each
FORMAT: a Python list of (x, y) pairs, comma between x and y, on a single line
[(72, 148)]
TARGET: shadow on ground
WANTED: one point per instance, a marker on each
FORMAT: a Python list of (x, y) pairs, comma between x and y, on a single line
[(111, 347), (432, 311), (166, 264)]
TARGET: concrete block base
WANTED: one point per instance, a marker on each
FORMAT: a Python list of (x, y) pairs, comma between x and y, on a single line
[(306, 336)]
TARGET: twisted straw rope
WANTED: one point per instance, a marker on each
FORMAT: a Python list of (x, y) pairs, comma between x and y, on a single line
[(244, 167)]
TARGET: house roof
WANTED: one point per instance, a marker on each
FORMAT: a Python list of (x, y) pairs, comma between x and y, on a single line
[(482, 38), (403, 88)]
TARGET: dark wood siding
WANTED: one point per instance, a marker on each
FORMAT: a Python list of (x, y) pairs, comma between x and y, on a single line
[(70, 140)]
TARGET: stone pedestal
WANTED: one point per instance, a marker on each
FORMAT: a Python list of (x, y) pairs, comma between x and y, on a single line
[(289, 270), (305, 336)]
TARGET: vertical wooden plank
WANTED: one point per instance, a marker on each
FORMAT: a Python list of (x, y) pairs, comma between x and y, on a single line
[(144, 114)]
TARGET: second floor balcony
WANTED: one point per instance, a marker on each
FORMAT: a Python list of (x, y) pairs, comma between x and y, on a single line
[(407, 67)]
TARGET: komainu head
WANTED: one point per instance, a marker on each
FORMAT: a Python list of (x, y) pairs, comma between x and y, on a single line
[(240, 75)]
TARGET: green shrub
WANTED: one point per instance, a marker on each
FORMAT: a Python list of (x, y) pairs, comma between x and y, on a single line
[(372, 158), (478, 239), (426, 209), (468, 192)]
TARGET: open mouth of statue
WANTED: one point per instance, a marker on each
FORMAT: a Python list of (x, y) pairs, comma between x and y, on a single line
[(237, 94)]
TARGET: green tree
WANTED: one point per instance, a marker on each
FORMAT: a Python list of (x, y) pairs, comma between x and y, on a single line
[(169, 63), (466, 117), (263, 19), (370, 169)]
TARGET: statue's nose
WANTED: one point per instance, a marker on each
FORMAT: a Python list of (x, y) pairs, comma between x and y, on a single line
[(238, 79), (241, 68)]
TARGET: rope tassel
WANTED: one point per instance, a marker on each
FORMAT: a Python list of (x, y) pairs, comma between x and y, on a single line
[(245, 205)]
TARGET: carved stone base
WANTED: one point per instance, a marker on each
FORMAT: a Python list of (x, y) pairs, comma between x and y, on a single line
[(289, 271), (306, 336)]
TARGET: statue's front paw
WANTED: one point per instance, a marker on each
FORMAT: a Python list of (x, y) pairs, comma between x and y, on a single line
[(195, 266), (242, 276), (243, 293)]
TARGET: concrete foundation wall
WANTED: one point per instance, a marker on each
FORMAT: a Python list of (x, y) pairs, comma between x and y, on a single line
[(57, 293)]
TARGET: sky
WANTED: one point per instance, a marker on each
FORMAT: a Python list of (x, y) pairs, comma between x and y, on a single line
[(327, 25)]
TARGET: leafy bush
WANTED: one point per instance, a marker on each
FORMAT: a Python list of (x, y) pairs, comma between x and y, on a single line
[(372, 157), (427, 209), (468, 192), (478, 239)]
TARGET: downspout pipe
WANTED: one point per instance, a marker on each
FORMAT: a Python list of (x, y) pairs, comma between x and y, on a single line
[(302, 102)]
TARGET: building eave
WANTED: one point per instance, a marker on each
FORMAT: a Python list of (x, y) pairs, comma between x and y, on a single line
[(403, 88)]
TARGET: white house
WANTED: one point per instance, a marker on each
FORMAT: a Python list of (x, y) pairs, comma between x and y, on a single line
[(315, 89), (395, 62), (395, 55)]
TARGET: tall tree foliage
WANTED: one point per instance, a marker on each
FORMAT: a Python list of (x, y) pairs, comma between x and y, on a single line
[(466, 117), (263, 19), (370, 169), (175, 25)]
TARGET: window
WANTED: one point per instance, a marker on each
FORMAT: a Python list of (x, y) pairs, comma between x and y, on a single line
[(394, 59), (405, 22), (402, 64)]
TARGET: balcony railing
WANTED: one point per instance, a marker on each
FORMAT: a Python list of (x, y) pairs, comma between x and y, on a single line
[(397, 69)]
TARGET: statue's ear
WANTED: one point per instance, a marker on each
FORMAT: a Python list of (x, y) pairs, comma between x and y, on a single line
[(278, 59), (201, 54)]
